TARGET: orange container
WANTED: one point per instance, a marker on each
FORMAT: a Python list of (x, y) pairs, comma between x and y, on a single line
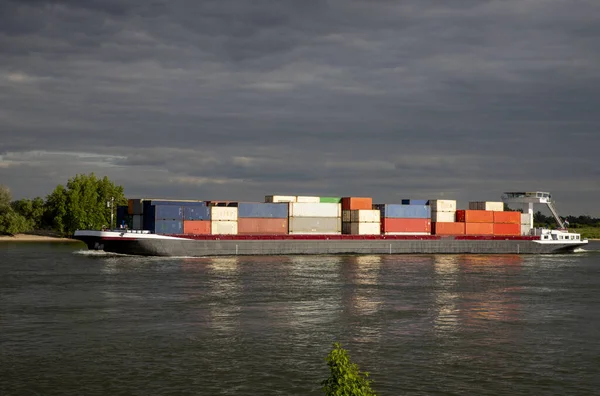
[(475, 216), (405, 225), (507, 229), (357, 203), (507, 217), (479, 228), (440, 228), (258, 226), (130, 206), (196, 227)]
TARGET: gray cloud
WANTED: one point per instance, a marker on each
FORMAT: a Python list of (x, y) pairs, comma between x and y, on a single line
[(236, 99)]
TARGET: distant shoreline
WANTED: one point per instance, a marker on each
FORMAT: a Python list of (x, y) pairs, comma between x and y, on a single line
[(34, 238)]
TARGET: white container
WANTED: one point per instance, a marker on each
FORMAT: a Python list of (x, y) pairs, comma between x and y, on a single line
[(305, 199), (407, 233), (346, 216), (525, 219), (365, 216), (224, 227), (487, 205), (315, 225), (443, 205), (361, 228), (306, 209), (443, 217), (525, 229), (280, 198), (137, 222), (223, 213)]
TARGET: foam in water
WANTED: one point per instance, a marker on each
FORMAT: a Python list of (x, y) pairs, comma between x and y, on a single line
[(96, 253)]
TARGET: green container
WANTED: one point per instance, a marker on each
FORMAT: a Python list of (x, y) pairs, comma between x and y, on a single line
[(331, 199)]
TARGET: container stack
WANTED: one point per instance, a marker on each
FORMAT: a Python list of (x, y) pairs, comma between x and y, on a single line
[(314, 217), (398, 219), (280, 198), (361, 222), (443, 218), (196, 219), (135, 209), (262, 218), (223, 220), (169, 216), (477, 222), (487, 205), (526, 225), (507, 223), (124, 219)]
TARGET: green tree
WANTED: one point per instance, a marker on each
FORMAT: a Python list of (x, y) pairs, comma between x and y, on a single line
[(82, 203), (32, 210), (345, 378), (11, 222)]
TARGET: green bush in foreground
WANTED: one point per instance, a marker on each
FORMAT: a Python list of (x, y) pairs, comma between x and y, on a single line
[(345, 378)]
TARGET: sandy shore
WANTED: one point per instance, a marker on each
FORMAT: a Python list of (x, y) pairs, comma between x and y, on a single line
[(34, 238)]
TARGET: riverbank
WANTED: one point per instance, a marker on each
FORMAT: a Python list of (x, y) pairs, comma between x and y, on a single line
[(34, 238)]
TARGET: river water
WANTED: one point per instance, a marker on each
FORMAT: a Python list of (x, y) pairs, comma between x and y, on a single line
[(78, 323)]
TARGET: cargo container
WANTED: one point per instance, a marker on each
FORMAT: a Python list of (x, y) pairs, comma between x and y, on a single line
[(306, 199), (443, 217), (525, 229), (479, 228), (154, 202), (361, 228), (168, 226), (448, 228), (196, 227), (355, 203), (415, 202), (262, 210), (404, 211), (507, 229), (135, 206), (122, 213), (487, 205), (223, 213), (442, 205), (222, 203), (364, 215), (280, 198), (137, 222), (507, 217), (405, 225), (197, 212), (262, 226), (306, 209), (474, 216), (168, 212), (525, 218), (315, 225), (226, 227), (330, 199)]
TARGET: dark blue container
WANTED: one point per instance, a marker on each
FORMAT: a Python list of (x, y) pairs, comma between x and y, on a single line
[(395, 211), (168, 227), (156, 202), (415, 202), (122, 212), (262, 210), (196, 212), (168, 212)]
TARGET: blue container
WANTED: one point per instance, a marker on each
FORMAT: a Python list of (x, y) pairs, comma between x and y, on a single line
[(262, 210), (175, 203), (122, 212), (395, 211), (168, 227), (415, 202), (168, 212), (196, 212)]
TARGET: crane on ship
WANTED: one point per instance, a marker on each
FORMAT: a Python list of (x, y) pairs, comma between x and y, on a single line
[(529, 199)]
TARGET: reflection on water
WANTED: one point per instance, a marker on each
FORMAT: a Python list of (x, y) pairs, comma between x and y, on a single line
[(446, 278), (224, 290)]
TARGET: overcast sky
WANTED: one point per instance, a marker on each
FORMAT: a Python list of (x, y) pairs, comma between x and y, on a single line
[(196, 99)]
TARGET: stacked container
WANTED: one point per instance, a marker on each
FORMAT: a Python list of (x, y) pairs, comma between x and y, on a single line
[(314, 218), (223, 220), (135, 209), (280, 198), (443, 218), (507, 223), (487, 205), (196, 219), (477, 222), (262, 218), (397, 219), (526, 225), (361, 222), (173, 217)]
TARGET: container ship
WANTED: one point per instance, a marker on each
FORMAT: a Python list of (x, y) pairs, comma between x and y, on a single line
[(310, 225)]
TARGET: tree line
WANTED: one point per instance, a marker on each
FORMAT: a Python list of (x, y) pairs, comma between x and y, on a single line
[(79, 204)]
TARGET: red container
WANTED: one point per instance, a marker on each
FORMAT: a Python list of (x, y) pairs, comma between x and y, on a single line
[(262, 226), (475, 216), (196, 227), (440, 228), (507, 229), (507, 217), (405, 225), (479, 229), (357, 203)]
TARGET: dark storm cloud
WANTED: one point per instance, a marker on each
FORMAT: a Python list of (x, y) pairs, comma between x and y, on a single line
[(240, 99)]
